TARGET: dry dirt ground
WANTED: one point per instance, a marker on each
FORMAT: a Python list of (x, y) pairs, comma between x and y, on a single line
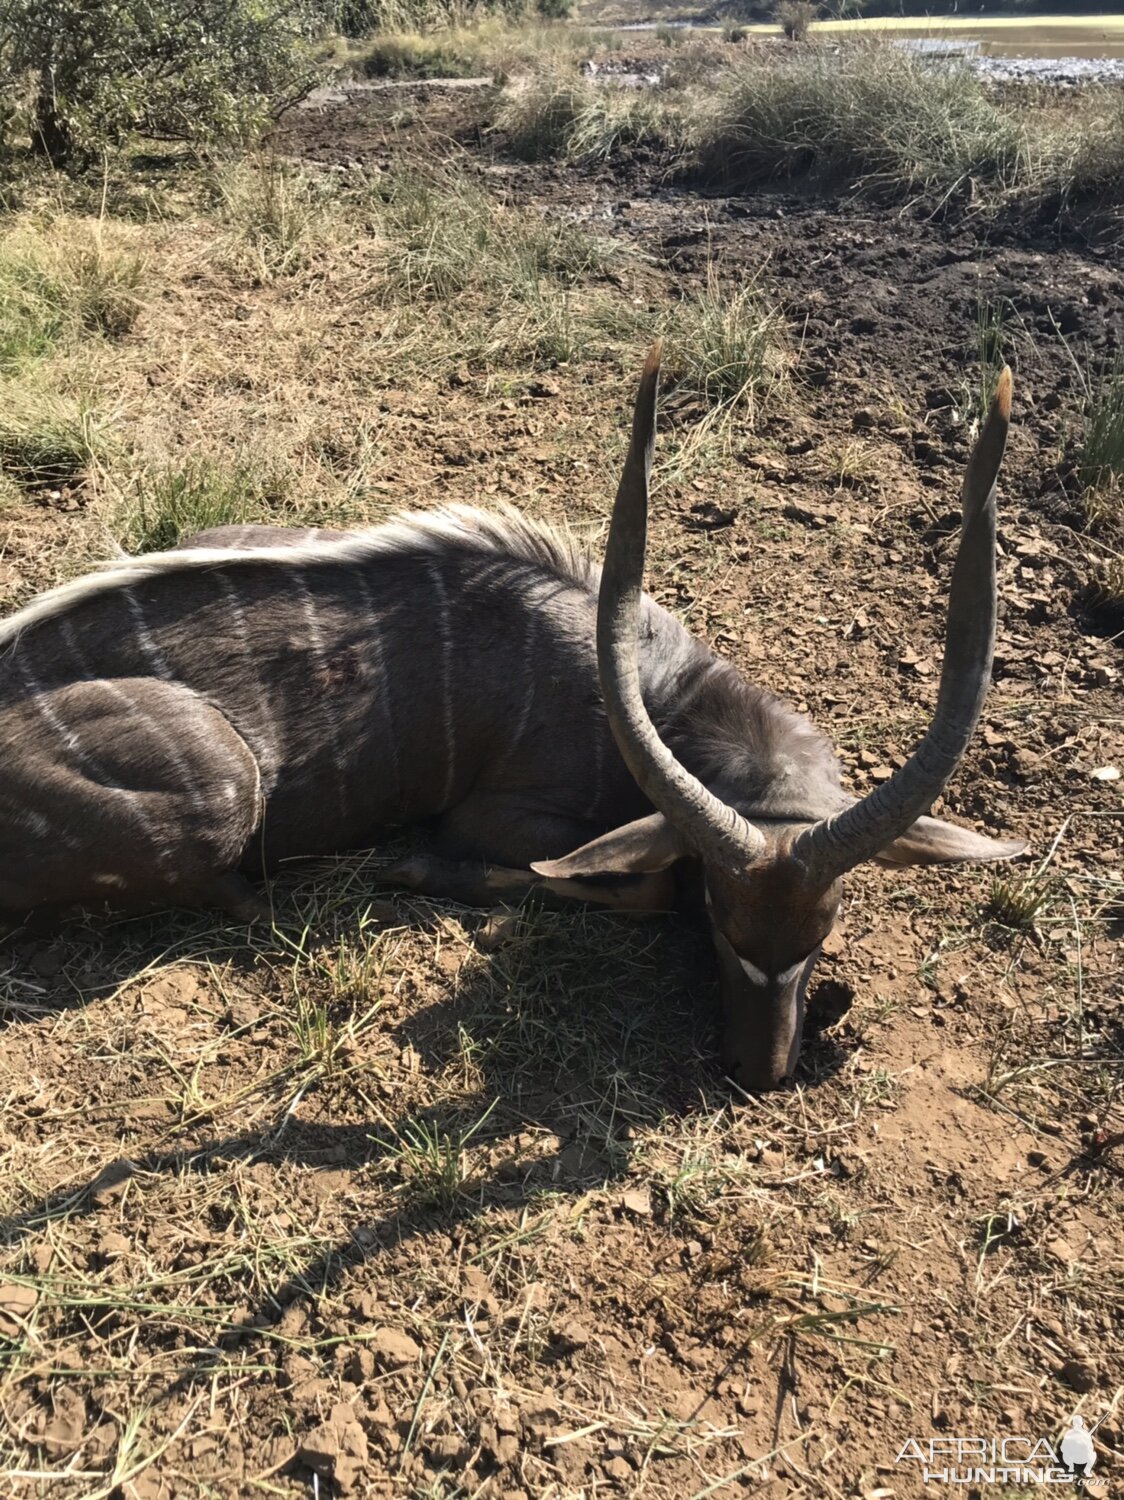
[(359, 1207)]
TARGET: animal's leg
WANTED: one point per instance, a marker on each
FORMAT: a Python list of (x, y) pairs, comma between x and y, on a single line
[(233, 893), (131, 792), (473, 883)]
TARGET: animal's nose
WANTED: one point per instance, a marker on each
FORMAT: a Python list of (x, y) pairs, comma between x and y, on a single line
[(758, 1077)]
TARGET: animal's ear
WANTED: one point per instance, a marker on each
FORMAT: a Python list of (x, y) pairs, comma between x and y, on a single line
[(639, 848), (929, 841)]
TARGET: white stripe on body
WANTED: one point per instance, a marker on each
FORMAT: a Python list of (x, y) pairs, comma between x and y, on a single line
[(316, 641), (152, 652), (267, 751), (382, 686), (444, 632), (515, 738), (36, 824)]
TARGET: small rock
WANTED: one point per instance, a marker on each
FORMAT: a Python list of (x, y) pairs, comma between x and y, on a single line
[(337, 1449), (541, 1418), (637, 1201), (450, 1449), (572, 1335), (394, 1349), (543, 389), (498, 929), (359, 1366), (1038, 1158), (16, 1304), (618, 1468), (477, 1290), (707, 516), (1079, 1374)]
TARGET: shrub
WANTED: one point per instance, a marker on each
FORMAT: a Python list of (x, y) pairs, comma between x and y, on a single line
[(874, 117), (553, 113), (361, 18), (417, 55), (193, 70), (795, 18)]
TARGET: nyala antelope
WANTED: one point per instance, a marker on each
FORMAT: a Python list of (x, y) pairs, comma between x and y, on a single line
[(181, 720)]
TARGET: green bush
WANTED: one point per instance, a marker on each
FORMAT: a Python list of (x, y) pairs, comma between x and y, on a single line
[(184, 70)]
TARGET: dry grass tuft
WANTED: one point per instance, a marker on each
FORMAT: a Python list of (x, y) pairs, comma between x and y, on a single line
[(555, 113), (62, 280), (46, 438), (1100, 459), (726, 344), (159, 507), (278, 214)]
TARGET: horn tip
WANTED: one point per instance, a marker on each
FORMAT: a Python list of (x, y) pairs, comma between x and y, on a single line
[(655, 356), (1003, 390)]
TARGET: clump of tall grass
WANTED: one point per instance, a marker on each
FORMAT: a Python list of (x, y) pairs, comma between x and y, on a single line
[(725, 343), (364, 18), (991, 340), (445, 235), (276, 211), (61, 281), (1100, 458), (877, 118), (1079, 156), (418, 55), (163, 505), (492, 46), (556, 113), (46, 438)]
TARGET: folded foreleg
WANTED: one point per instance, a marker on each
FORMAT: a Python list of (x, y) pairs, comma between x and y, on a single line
[(131, 791)]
